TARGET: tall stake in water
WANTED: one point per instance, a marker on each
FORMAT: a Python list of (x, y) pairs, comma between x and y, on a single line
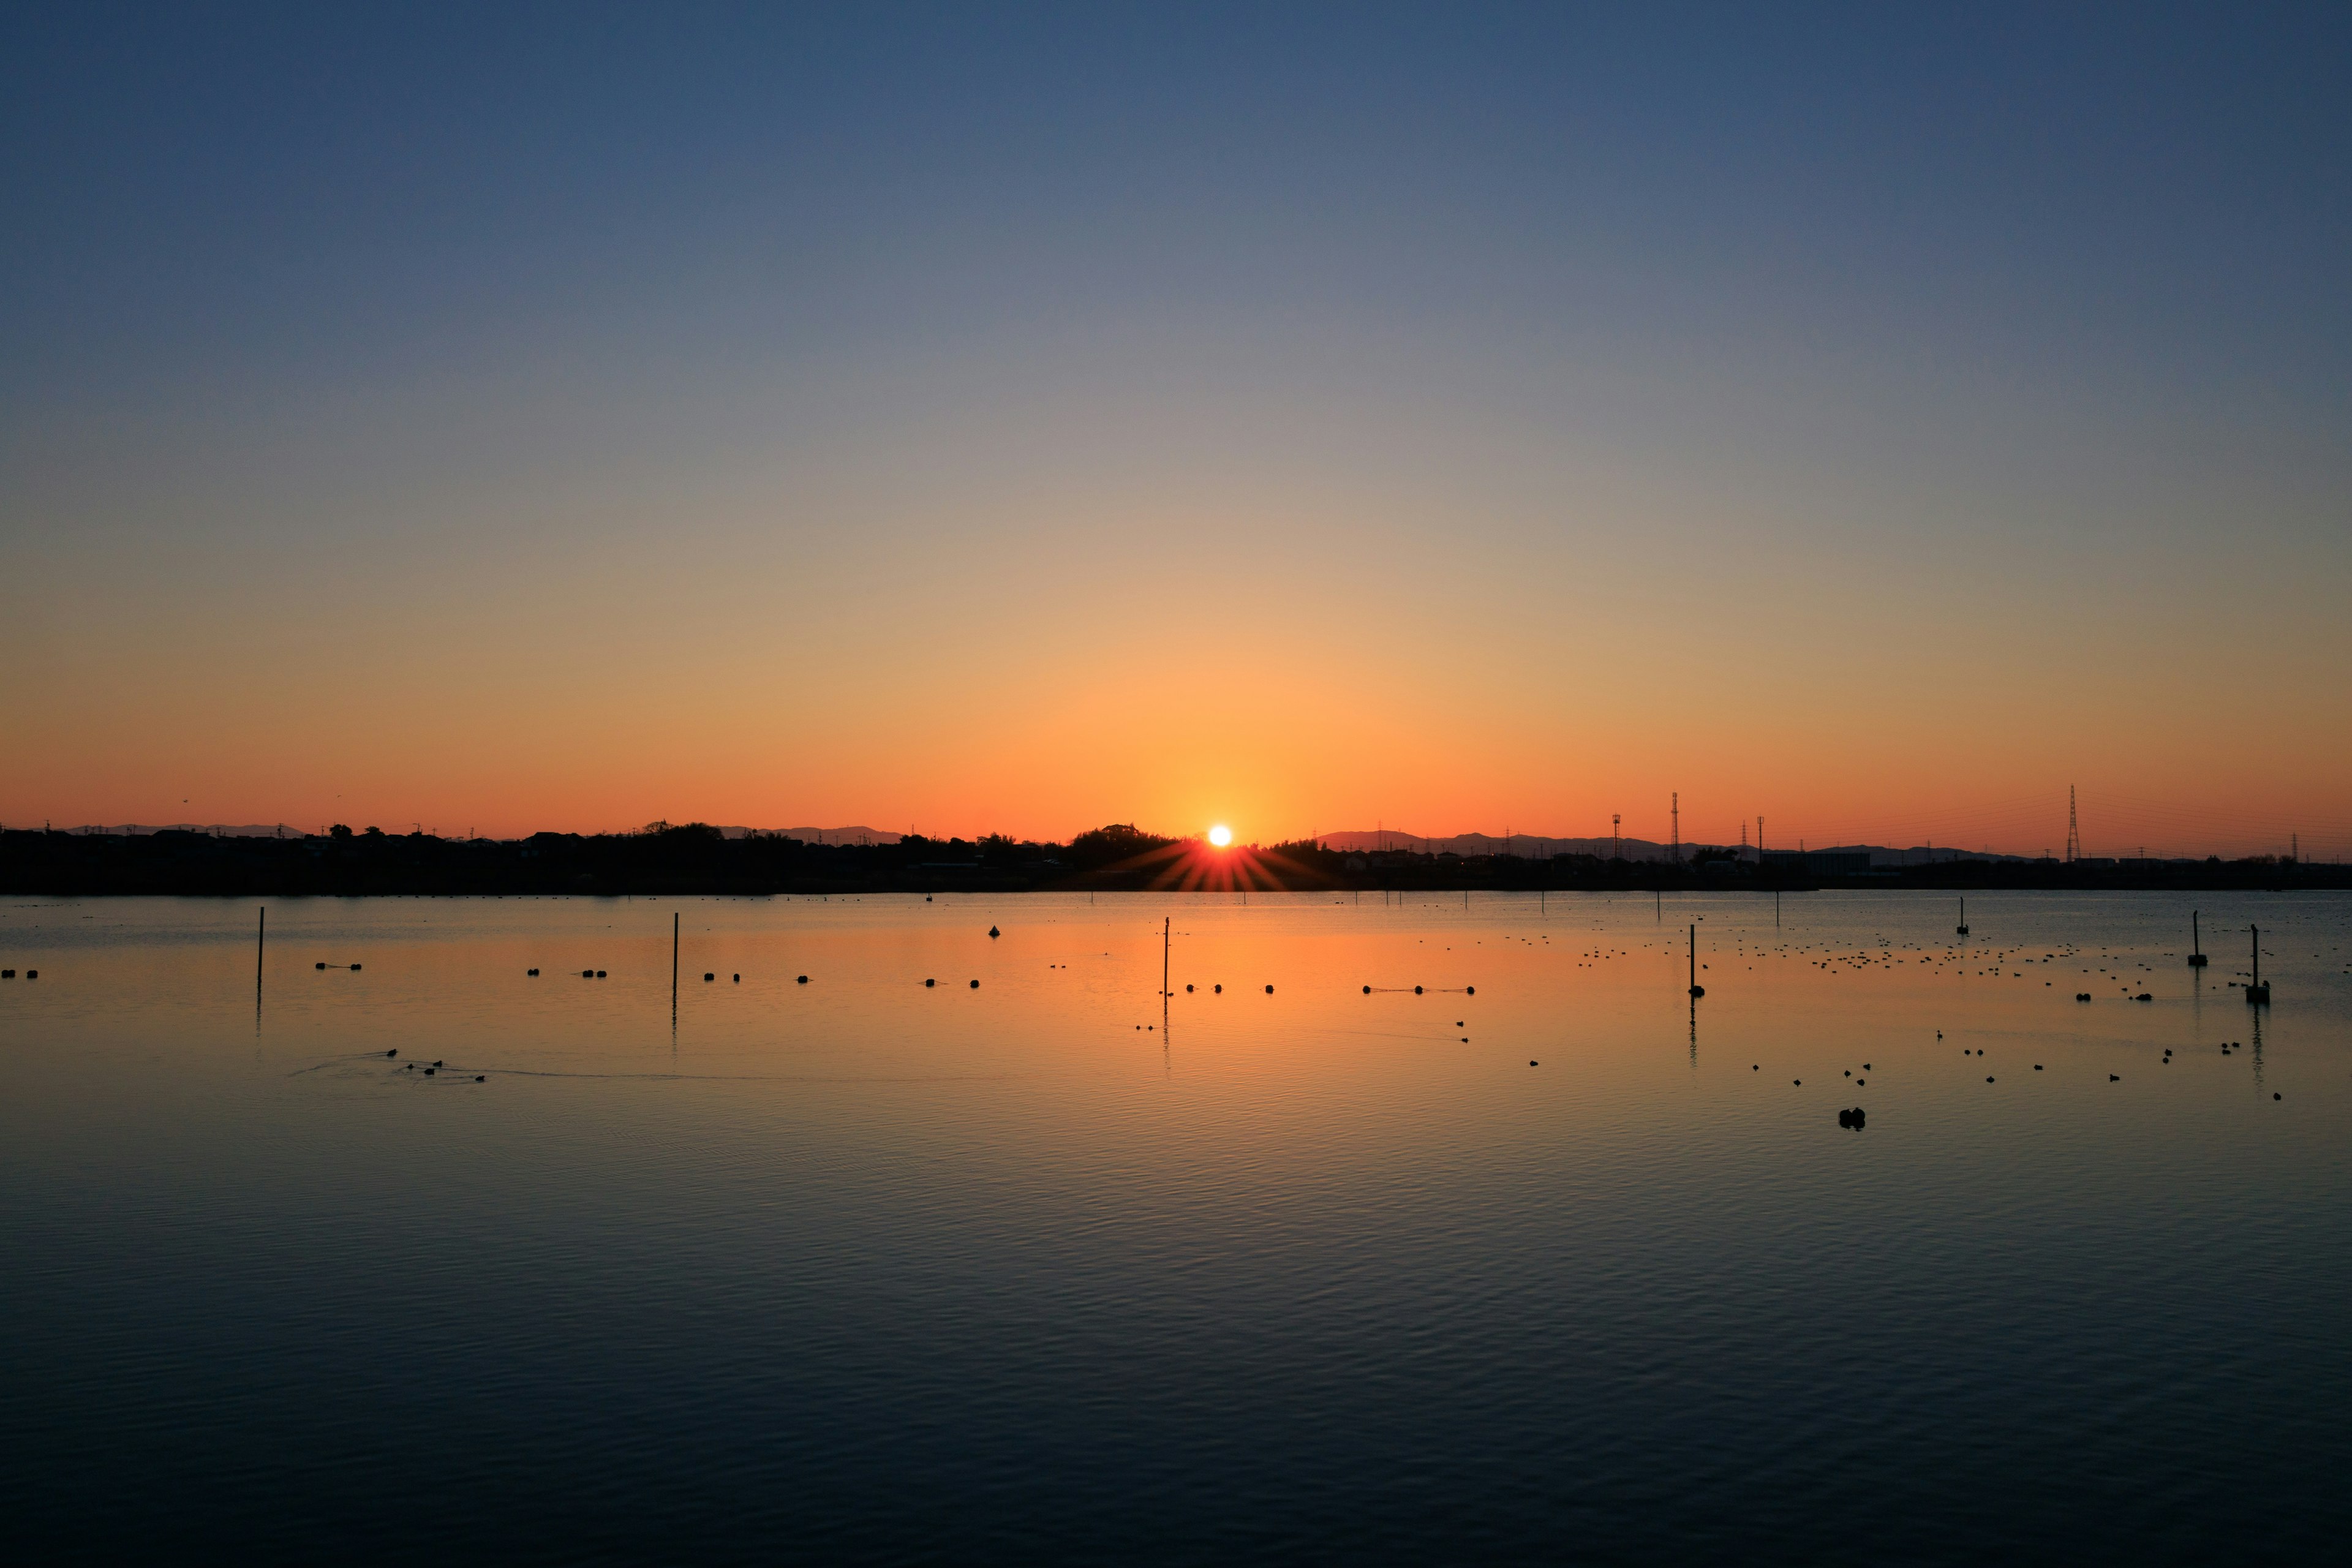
[(2256, 991), (1163, 952), (1697, 990), (2196, 944)]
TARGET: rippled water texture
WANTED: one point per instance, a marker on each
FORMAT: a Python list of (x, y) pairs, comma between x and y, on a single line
[(860, 1268)]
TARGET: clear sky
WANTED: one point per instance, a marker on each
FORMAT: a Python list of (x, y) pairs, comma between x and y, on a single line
[(506, 417)]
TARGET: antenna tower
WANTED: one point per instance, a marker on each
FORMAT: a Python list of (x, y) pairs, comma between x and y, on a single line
[(2074, 833), (1676, 833), (1615, 853)]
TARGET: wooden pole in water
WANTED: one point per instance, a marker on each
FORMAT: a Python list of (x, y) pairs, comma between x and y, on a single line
[(1163, 952), (673, 958), (260, 940)]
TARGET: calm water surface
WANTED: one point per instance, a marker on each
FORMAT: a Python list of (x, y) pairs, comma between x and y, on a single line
[(860, 1270)]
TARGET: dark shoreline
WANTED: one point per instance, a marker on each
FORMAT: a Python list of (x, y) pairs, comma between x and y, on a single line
[(681, 861)]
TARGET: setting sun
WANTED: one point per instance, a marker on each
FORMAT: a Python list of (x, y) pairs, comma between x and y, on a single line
[(1220, 836)]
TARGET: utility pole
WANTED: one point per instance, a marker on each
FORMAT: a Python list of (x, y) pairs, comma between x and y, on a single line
[(1614, 852), (2073, 831), (1675, 832)]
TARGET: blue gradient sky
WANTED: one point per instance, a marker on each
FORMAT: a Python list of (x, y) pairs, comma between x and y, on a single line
[(1465, 419)]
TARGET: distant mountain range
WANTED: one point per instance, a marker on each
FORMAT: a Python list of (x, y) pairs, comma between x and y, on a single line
[(1536, 846), (824, 835), (217, 829), (1528, 845)]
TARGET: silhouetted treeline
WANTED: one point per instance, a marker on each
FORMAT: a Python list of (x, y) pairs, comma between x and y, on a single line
[(694, 859)]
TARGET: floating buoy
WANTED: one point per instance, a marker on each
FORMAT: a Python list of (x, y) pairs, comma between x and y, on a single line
[(1757, 1068), (929, 983), (993, 931), (800, 980), (534, 972), (356, 969), (1987, 1081), (320, 965), (599, 973), (739, 979), (1368, 990), (1269, 990), (975, 985), (1469, 991), (2037, 1066), (1188, 991), (707, 977), (1216, 990), (1416, 990)]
